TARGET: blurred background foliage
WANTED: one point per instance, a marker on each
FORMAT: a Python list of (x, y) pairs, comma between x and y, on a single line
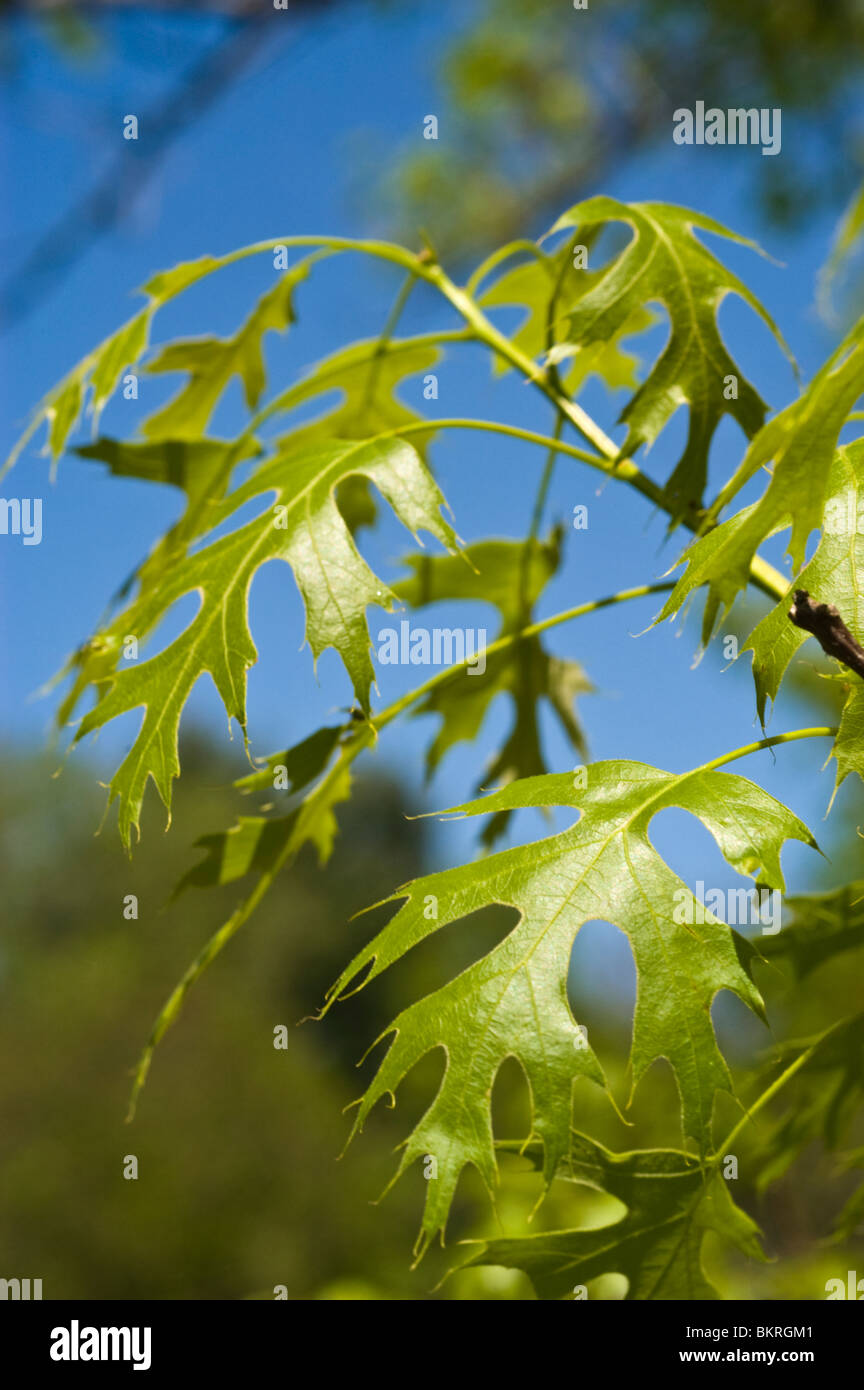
[(239, 1189), (540, 111)]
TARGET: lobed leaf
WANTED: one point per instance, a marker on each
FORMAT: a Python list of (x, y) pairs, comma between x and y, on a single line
[(305, 529), (665, 262), (513, 1001), (801, 442), (832, 576), (511, 575), (212, 362), (549, 287), (672, 1202)]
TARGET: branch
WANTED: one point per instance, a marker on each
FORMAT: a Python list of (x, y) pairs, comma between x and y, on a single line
[(829, 629), (762, 575)]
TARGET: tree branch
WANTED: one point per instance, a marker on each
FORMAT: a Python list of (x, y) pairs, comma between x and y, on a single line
[(823, 621)]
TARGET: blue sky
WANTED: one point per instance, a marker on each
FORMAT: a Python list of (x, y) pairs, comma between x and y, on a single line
[(276, 157)]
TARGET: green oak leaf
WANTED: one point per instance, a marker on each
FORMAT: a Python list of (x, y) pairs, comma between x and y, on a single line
[(306, 530), (513, 1001), (365, 376), (801, 441), (671, 1201), (822, 925), (258, 844), (212, 362), (665, 262), (99, 373), (294, 768), (833, 575), (549, 287), (196, 466), (202, 469), (511, 575), (165, 284)]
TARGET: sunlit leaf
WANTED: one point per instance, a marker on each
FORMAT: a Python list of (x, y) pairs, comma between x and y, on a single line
[(513, 1001)]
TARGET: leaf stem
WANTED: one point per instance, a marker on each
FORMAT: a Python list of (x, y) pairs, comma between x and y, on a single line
[(503, 253), (824, 731), (387, 332), (776, 1085), (546, 480), (386, 716), (494, 427)]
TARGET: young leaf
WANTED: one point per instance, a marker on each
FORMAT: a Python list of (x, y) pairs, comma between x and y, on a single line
[(671, 1200), (101, 369), (822, 926), (801, 441), (202, 469), (99, 372), (196, 466), (212, 362), (254, 843), (306, 530), (512, 575), (549, 287), (833, 576), (513, 1001), (365, 376), (666, 262), (296, 767), (165, 284)]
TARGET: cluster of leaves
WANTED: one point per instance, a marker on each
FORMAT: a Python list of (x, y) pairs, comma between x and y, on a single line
[(304, 495)]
